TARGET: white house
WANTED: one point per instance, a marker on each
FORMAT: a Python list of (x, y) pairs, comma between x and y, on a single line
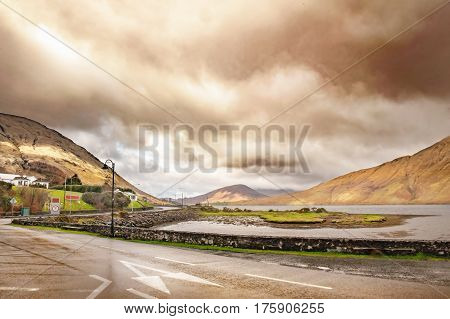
[(23, 180), (41, 182), (133, 197)]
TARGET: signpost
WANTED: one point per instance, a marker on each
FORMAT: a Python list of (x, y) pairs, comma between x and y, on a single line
[(55, 206)]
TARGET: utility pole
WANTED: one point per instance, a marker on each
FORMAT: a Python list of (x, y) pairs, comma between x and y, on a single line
[(64, 199), (105, 166), (70, 197)]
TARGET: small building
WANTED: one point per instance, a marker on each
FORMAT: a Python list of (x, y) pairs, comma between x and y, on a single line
[(133, 197), (21, 181), (41, 183)]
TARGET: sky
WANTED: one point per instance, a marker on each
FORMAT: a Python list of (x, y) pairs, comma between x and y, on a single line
[(375, 74)]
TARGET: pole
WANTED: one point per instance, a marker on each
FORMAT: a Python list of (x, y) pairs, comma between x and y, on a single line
[(64, 199), (70, 200), (112, 200)]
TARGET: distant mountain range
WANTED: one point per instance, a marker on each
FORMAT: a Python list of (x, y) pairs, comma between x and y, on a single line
[(30, 148), (423, 178), (229, 194)]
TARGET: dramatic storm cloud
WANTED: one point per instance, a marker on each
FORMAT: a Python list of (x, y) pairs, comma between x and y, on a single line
[(233, 62)]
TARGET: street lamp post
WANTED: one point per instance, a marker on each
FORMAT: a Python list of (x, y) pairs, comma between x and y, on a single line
[(105, 166)]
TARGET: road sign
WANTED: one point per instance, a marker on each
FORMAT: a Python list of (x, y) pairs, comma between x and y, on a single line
[(73, 197), (13, 201), (55, 208)]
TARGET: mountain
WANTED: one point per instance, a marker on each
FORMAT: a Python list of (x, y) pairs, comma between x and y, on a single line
[(229, 194), (423, 178), (30, 148)]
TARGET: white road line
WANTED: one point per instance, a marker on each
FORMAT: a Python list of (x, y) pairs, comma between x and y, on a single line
[(100, 288), (114, 249), (323, 268), (289, 282), (18, 289), (175, 261), (140, 294), (269, 263)]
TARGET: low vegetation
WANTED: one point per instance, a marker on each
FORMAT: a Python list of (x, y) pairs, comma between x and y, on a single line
[(79, 188), (104, 200), (5, 196), (314, 216)]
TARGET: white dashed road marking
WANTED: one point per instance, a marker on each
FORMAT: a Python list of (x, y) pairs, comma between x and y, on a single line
[(114, 249), (100, 288), (289, 282), (323, 268), (18, 289), (140, 294), (175, 261)]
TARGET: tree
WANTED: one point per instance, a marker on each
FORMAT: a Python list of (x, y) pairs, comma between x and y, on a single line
[(74, 180), (34, 198)]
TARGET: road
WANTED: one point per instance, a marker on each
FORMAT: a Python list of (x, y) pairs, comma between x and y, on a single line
[(50, 264)]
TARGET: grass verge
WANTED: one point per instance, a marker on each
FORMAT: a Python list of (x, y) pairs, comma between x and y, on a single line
[(419, 256), (303, 217)]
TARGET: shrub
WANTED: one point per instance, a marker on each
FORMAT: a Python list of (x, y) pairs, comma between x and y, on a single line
[(89, 198), (5, 186), (103, 200), (80, 188), (74, 180), (5, 205), (34, 198), (209, 209)]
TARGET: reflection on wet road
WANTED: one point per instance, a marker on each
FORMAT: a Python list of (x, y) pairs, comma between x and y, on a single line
[(48, 264)]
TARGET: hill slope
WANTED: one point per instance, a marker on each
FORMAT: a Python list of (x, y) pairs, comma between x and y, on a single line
[(30, 148), (423, 178), (229, 194)]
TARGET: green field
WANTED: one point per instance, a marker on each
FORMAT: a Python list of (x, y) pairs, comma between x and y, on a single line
[(81, 205), (72, 205)]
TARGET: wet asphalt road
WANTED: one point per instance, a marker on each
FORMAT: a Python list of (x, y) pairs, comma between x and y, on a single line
[(50, 264)]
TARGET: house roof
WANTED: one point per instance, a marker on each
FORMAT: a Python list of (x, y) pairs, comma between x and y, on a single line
[(20, 178), (40, 180)]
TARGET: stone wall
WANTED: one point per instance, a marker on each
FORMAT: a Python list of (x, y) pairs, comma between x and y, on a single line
[(354, 246)]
